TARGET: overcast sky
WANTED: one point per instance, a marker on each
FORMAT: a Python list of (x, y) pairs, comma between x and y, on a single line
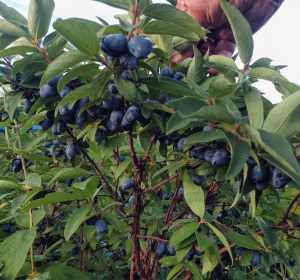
[(279, 39)]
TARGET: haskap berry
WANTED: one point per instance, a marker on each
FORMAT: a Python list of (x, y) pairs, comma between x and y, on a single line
[(178, 76), (279, 179), (128, 61), (98, 137), (166, 72), (112, 103), (54, 81), (220, 158), (198, 180), (65, 91), (209, 154), (113, 88), (71, 151), (198, 152), (256, 260), (258, 173), (128, 184), (132, 200), (161, 248), (48, 91), (101, 227), (180, 144), (116, 117), (28, 105), (114, 44), (140, 47)]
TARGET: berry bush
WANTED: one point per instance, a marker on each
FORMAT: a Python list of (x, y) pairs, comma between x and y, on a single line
[(117, 163)]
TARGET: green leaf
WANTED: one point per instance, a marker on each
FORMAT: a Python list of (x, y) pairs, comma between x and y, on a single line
[(203, 137), (169, 28), (56, 47), (215, 113), (183, 233), (241, 30), (282, 84), (6, 40), (11, 29), (82, 33), (242, 240), (204, 241), (39, 17), (92, 90), (175, 270), (193, 195), (8, 185), (86, 188), (64, 272), (269, 234), (13, 252), (278, 149), (33, 180), (255, 107), (32, 120), (75, 72), (220, 86), (11, 102), (196, 72), (76, 220), (121, 4), (173, 166), (186, 106), (223, 61), (54, 198), (176, 122), (194, 268), (222, 238), (239, 154), (17, 50), (252, 206), (62, 63), (284, 117), (68, 173), (127, 89), (169, 86), (11, 14), (168, 261), (171, 14), (37, 216)]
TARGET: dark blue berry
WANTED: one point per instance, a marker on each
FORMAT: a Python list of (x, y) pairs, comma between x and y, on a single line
[(178, 76), (198, 180), (114, 44), (140, 47), (198, 152), (128, 184), (220, 158), (279, 179), (48, 91), (101, 227)]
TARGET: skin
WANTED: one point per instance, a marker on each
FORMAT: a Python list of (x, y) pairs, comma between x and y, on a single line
[(210, 16)]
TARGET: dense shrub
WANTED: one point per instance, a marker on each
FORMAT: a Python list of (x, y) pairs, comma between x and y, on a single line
[(118, 164)]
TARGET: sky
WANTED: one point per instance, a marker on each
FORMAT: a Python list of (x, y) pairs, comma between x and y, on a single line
[(279, 39)]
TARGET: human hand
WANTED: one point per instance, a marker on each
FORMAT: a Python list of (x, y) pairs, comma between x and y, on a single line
[(209, 14)]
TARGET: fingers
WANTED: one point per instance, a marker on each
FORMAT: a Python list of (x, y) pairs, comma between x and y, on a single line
[(225, 44), (178, 57), (261, 11)]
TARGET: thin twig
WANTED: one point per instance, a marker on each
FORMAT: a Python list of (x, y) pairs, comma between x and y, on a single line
[(160, 184), (91, 161), (288, 210)]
